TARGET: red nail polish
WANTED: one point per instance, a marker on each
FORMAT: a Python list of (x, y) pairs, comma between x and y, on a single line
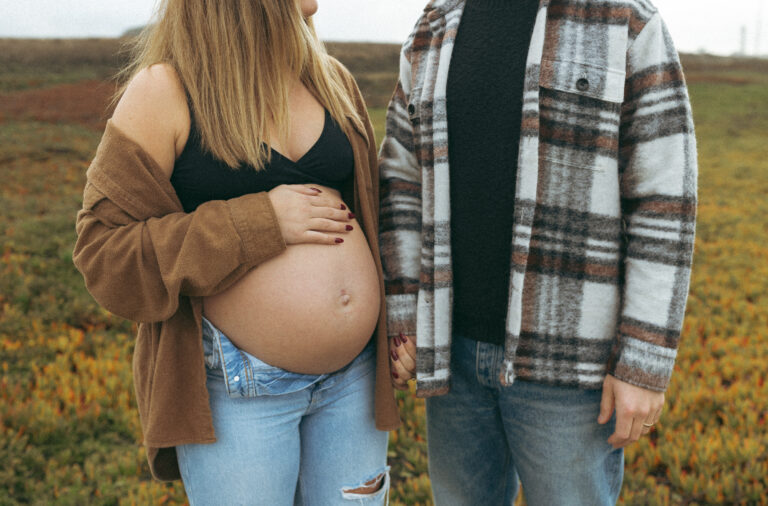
[(350, 227), (394, 355), (317, 190), (339, 240), (403, 338), (351, 216), (397, 341), (343, 207), (395, 375)]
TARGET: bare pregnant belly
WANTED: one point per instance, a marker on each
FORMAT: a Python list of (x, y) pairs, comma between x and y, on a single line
[(310, 310)]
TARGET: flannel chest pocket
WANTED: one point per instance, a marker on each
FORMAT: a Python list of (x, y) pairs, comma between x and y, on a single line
[(580, 111)]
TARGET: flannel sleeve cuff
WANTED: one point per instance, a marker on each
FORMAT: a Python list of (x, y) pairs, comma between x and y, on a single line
[(642, 364), (401, 314)]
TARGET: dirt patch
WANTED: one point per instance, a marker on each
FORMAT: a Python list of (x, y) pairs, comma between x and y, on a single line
[(85, 103)]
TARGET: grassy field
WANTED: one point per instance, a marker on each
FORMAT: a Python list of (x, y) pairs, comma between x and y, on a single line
[(69, 431)]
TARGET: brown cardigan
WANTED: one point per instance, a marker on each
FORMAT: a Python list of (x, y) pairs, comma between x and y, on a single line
[(146, 260)]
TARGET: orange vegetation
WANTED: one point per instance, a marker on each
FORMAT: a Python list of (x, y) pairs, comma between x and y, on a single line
[(85, 103)]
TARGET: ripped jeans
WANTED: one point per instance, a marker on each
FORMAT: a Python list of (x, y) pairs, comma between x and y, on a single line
[(284, 438)]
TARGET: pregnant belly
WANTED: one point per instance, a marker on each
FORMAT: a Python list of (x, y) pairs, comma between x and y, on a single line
[(310, 310)]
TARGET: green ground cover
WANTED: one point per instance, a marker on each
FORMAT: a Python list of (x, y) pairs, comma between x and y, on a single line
[(69, 431)]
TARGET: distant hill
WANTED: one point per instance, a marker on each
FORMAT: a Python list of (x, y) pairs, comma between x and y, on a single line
[(133, 32), (374, 65), (53, 61)]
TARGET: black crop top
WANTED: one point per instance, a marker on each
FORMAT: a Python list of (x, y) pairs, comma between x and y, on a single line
[(198, 177)]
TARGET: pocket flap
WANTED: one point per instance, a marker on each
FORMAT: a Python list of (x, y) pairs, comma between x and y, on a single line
[(583, 79)]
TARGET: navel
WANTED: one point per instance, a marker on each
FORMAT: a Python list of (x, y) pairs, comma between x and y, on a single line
[(344, 298)]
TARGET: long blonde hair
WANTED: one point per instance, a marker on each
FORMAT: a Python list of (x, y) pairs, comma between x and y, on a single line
[(237, 60)]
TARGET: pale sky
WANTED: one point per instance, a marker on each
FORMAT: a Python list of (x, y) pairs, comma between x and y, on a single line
[(714, 26)]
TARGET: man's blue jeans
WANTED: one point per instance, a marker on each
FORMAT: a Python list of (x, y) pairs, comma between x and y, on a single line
[(482, 436)]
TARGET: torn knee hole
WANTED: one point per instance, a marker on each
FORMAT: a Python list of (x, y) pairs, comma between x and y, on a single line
[(369, 487)]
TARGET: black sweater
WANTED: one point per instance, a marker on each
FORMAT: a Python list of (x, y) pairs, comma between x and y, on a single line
[(484, 102)]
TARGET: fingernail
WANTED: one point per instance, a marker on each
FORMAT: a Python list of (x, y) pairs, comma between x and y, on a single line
[(339, 240), (317, 190), (394, 355), (397, 341), (403, 338), (343, 207), (351, 216), (395, 375), (350, 227)]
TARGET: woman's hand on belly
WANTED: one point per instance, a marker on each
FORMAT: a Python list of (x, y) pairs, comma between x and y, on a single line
[(309, 215)]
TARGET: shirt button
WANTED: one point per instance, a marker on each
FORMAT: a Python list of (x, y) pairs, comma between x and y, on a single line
[(236, 378), (411, 109), (582, 84)]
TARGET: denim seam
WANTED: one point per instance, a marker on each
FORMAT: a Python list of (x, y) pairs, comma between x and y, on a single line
[(498, 359), (314, 400), (221, 359), (250, 380)]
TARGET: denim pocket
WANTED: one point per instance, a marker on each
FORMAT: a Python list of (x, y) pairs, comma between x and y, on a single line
[(244, 375)]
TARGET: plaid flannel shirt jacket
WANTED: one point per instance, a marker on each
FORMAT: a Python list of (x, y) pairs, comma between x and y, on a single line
[(605, 200)]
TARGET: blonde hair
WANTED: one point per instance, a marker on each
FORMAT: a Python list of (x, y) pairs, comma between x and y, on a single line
[(237, 60)]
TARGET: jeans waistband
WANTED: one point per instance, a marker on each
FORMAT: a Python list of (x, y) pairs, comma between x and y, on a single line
[(247, 376)]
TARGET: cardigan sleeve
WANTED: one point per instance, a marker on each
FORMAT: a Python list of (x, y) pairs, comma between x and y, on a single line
[(658, 178), (400, 212), (137, 263)]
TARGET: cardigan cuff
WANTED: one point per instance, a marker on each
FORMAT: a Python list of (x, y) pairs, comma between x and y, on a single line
[(256, 224)]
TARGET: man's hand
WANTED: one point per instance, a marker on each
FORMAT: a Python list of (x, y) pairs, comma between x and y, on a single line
[(637, 409)]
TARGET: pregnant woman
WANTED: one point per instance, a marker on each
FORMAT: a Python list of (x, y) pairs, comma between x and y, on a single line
[(231, 210)]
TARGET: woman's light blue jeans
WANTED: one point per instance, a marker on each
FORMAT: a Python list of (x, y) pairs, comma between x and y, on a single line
[(284, 438), (481, 437)]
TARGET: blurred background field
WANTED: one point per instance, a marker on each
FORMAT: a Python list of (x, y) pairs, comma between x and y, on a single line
[(69, 431)]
